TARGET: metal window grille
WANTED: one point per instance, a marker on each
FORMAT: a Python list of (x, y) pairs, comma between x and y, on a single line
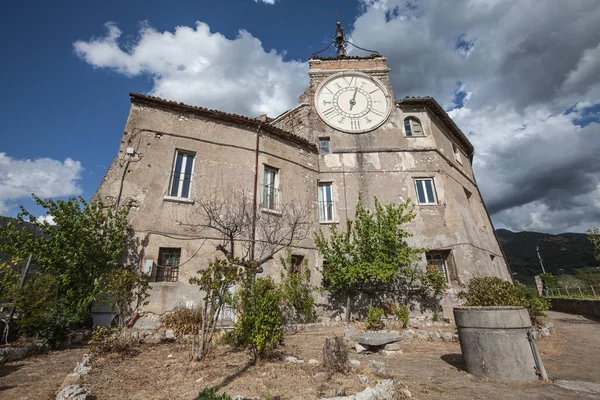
[(168, 264), (437, 260)]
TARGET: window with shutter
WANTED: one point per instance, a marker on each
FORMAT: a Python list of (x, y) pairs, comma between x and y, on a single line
[(412, 127)]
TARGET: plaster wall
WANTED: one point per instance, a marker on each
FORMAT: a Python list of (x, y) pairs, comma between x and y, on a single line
[(224, 162)]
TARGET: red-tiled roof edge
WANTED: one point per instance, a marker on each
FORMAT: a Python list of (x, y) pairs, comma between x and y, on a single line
[(369, 57), (442, 115), (239, 119)]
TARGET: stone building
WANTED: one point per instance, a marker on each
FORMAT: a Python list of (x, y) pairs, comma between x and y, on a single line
[(347, 136)]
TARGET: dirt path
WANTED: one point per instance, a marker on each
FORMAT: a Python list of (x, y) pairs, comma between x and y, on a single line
[(573, 351), (37, 377)]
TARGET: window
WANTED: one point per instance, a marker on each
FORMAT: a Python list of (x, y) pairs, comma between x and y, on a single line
[(298, 266), (324, 145), (325, 202), (412, 127), (425, 191), (270, 188), (168, 264), (457, 156), (181, 179), (438, 260)]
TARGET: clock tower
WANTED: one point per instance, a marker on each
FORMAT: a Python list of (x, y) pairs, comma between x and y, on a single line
[(371, 145)]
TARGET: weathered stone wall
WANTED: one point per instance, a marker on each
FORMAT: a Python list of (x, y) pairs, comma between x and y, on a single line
[(224, 159), (382, 163), (586, 307)]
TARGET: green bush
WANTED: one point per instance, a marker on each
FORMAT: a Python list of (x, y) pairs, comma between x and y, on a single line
[(298, 303), (402, 313), (374, 318), (490, 292), (259, 324), (496, 292), (549, 281), (211, 394), (535, 305)]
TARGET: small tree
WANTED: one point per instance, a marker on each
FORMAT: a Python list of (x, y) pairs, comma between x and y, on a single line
[(125, 291), (259, 325), (372, 250), (75, 259), (214, 282)]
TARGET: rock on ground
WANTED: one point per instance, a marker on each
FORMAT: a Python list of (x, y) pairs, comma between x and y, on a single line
[(377, 338), (293, 360), (74, 392), (382, 391), (377, 367)]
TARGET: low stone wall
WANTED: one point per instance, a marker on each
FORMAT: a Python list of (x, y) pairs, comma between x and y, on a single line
[(587, 307)]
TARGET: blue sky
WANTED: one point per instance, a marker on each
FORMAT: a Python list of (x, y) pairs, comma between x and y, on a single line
[(56, 106), (525, 90)]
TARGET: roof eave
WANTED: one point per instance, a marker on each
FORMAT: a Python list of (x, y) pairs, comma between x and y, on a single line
[(224, 116)]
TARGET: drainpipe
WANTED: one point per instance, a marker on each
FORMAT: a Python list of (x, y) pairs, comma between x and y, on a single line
[(536, 356), (254, 195)]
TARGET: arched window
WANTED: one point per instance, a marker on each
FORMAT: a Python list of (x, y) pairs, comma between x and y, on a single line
[(412, 127)]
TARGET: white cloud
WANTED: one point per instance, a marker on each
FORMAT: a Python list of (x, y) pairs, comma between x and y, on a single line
[(530, 75), (199, 67), (46, 218), (45, 177), (265, 1)]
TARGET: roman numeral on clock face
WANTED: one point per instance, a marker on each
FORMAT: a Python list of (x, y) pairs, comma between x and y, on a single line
[(330, 112), (355, 124), (376, 112)]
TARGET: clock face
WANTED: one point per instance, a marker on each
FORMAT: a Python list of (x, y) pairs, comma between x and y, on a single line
[(352, 102)]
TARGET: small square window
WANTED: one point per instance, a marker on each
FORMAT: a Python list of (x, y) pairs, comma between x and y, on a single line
[(425, 191), (168, 264), (324, 146), (181, 177)]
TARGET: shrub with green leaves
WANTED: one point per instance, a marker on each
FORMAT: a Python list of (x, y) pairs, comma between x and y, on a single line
[(535, 305), (259, 324), (490, 291), (496, 292), (211, 394), (298, 303), (402, 313), (74, 261), (549, 281), (374, 318)]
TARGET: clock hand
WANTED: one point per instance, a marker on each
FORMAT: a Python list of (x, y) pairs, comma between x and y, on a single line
[(353, 99)]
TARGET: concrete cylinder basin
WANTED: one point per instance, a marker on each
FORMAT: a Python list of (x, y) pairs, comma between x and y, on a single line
[(494, 342)]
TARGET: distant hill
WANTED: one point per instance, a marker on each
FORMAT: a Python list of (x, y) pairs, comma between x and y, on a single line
[(562, 254)]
